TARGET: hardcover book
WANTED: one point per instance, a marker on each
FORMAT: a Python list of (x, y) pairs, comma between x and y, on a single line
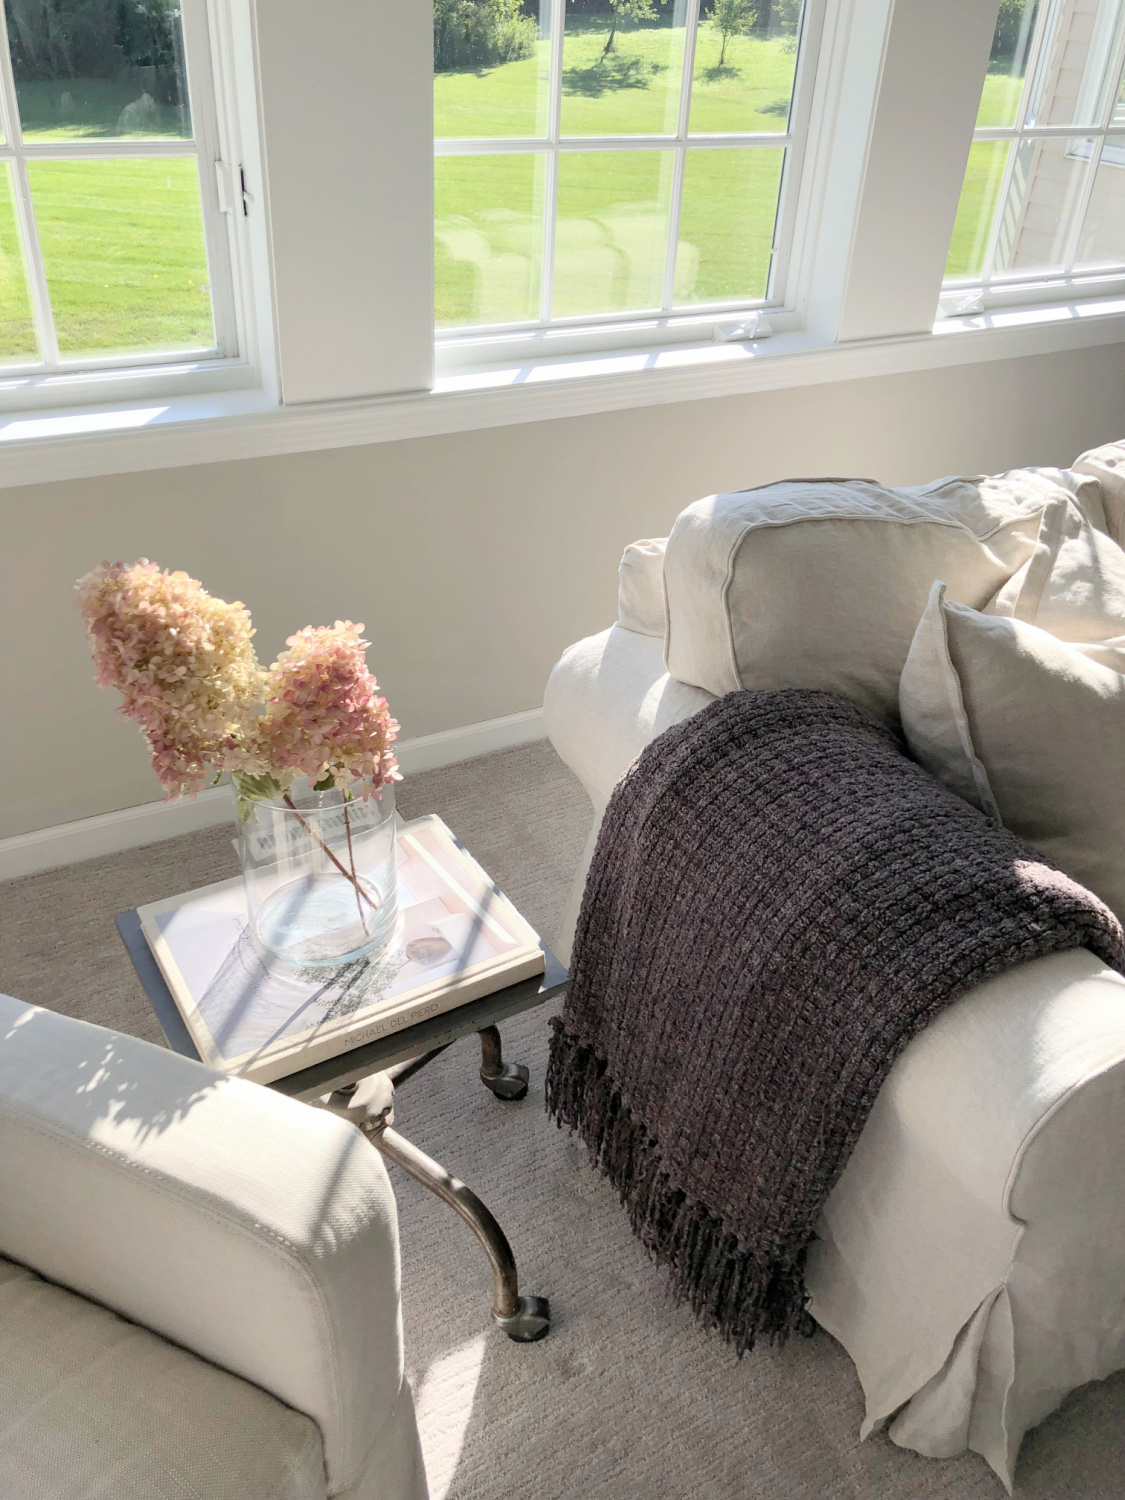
[(457, 938)]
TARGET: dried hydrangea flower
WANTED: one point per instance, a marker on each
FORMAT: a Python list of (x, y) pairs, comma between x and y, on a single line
[(325, 718), (184, 664)]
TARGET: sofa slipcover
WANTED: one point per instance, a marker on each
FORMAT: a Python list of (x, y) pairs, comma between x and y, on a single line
[(1106, 465), (249, 1229), (971, 1258), (94, 1405)]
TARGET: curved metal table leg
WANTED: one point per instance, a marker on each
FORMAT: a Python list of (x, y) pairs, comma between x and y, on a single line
[(506, 1080), (524, 1319)]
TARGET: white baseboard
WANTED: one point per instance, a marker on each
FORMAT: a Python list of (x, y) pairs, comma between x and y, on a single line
[(131, 827)]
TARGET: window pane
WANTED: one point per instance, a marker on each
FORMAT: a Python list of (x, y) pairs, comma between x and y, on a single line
[(17, 332), (491, 64), (744, 66), (1007, 67), (1079, 41), (1044, 194), (99, 68), (124, 254), (1102, 241), (726, 224), (622, 69), (612, 231), (976, 212), (488, 237)]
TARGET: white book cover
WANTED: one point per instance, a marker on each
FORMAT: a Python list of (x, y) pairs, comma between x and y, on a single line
[(457, 938)]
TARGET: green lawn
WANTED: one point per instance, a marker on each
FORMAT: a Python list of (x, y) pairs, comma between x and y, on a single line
[(977, 208), (612, 208), (17, 335), (632, 91), (122, 240), (124, 255)]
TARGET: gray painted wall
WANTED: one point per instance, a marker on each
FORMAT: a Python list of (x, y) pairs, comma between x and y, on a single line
[(474, 558)]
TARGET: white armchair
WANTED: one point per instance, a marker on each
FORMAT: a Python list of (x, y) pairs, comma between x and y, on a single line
[(199, 1283), (971, 1258)]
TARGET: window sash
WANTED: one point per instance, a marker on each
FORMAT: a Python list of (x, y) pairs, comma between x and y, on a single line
[(995, 285), (552, 144), (203, 145)]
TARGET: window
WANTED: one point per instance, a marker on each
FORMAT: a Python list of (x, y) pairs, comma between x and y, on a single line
[(1044, 193), (112, 247), (606, 159), (611, 178)]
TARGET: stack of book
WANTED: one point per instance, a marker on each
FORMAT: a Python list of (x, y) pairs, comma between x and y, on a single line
[(457, 938)]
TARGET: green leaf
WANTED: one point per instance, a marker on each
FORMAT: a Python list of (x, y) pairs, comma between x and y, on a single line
[(325, 784), (260, 787)]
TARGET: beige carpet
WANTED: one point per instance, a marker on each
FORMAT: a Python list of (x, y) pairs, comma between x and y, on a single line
[(627, 1399)]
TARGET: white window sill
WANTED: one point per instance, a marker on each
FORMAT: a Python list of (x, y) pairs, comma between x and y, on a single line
[(176, 431)]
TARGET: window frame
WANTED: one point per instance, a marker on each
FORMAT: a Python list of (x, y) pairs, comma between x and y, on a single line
[(52, 379), (334, 266), (673, 323), (1027, 286)]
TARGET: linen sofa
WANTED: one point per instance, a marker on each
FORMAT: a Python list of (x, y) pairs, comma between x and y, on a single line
[(971, 1258), (199, 1283)]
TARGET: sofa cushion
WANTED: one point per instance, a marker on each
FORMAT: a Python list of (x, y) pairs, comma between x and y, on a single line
[(1029, 729), (820, 583), (93, 1405)]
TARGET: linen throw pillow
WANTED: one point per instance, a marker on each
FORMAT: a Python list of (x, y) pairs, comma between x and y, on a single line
[(1028, 728)]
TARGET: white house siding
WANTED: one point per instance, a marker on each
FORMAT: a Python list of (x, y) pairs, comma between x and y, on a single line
[(1049, 177)]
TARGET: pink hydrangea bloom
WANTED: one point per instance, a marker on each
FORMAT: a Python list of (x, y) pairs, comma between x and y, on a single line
[(325, 717), (184, 664)]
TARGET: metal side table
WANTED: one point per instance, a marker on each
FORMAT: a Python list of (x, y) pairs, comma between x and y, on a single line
[(360, 1085)]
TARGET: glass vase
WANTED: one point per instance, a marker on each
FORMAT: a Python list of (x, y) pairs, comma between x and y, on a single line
[(319, 870)]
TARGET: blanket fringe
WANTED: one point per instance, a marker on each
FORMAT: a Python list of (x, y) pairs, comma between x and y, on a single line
[(724, 1286)]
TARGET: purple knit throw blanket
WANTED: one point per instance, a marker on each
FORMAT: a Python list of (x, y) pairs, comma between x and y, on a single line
[(778, 902)]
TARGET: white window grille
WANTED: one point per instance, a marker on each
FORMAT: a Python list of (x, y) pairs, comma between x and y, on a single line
[(115, 204), (1043, 206)]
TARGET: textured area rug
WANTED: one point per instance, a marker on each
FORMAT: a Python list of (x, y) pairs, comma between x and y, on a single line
[(627, 1399)]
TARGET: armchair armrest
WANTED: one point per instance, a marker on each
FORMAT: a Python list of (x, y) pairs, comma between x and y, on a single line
[(252, 1230)]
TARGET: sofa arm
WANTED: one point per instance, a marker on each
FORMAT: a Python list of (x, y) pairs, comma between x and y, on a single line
[(988, 1160), (251, 1229), (606, 698)]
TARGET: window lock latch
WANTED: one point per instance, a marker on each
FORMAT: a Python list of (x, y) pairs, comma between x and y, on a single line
[(756, 326), (231, 197)]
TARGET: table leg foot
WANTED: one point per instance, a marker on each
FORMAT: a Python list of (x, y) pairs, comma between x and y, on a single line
[(507, 1081), (524, 1319), (530, 1322)]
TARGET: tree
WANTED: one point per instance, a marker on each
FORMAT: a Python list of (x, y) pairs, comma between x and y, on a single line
[(732, 18), (627, 10), (481, 33), (1013, 27)]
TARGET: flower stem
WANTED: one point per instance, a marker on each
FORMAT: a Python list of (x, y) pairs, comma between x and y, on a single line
[(351, 861), (317, 838)]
